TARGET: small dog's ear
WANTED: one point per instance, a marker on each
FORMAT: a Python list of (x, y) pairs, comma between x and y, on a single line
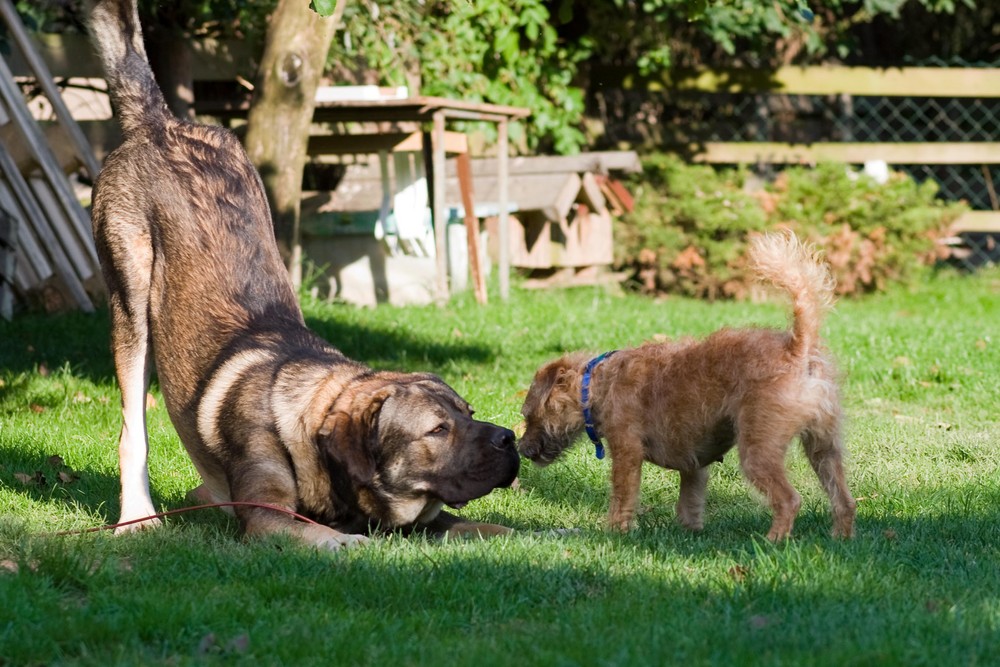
[(545, 381), (350, 438)]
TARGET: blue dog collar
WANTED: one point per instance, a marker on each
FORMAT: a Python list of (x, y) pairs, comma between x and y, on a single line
[(588, 417)]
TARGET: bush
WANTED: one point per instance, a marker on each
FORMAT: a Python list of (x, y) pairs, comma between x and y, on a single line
[(688, 232)]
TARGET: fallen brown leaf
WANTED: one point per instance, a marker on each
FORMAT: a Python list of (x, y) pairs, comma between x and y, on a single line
[(739, 573), (37, 409), (68, 477), (55, 461), (43, 370)]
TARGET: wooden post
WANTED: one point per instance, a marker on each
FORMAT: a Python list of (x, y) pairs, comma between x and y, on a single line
[(463, 166), (438, 208), (503, 219)]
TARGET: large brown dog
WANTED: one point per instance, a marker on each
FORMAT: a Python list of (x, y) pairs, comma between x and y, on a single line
[(682, 405), (268, 412)]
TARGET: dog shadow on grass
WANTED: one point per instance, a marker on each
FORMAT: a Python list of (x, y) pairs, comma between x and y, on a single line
[(82, 342)]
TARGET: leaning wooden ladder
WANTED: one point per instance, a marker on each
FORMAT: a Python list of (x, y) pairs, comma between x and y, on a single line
[(55, 250)]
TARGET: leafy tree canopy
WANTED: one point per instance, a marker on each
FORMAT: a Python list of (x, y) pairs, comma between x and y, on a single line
[(538, 53)]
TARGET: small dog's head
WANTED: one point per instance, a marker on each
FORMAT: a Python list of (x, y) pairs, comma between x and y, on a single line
[(553, 416)]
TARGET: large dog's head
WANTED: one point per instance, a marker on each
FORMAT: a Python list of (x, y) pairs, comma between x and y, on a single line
[(553, 416), (409, 446)]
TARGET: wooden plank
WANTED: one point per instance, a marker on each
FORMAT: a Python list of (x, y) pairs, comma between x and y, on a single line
[(471, 225), (8, 262), (44, 78), (33, 261), (977, 221), (590, 193), (55, 136), (855, 153), (68, 235), (599, 162), (820, 80), (553, 193), (73, 55), (364, 144), (74, 213), (503, 220), (438, 214), (40, 225)]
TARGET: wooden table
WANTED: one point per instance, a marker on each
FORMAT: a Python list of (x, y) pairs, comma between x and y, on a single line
[(438, 111)]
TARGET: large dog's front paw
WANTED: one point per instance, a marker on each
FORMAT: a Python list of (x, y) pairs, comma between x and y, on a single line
[(323, 537)]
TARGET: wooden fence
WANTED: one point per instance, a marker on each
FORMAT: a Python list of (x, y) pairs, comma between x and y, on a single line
[(920, 82)]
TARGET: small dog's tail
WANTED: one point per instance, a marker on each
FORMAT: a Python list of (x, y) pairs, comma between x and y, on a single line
[(115, 31), (784, 261)]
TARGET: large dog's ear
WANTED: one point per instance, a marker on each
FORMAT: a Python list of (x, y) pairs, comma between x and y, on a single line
[(350, 437)]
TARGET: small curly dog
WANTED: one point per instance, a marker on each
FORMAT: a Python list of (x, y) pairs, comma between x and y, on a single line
[(683, 404)]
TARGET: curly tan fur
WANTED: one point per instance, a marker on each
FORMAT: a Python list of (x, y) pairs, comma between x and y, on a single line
[(683, 404)]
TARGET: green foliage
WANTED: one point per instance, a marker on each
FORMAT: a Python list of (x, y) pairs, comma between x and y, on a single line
[(689, 231), (323, 7), (487, 51)]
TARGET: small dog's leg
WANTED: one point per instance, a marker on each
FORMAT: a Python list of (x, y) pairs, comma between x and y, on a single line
[(691, 502), (626, 475), (763, 461), (824, 448)]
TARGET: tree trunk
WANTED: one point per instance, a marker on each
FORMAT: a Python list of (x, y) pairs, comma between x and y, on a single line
[(284, 97)]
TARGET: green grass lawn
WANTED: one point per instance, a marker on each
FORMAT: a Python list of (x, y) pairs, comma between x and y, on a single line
[(920, 583)]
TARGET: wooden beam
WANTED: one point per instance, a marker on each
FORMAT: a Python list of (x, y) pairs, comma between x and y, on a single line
[(856, 153), (438, 208), (977, 221), (44, 78), (823, 80), (503, 219), (397, 142), (599, 162), (471, 225)]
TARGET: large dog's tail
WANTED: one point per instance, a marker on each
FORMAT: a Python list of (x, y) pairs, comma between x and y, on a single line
[(115, 31), (784, 261)]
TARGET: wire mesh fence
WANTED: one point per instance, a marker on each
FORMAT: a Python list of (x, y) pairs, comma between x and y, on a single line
[(686, 119)]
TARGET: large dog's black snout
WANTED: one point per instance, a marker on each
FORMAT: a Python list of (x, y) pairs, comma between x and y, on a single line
[(503, 438)]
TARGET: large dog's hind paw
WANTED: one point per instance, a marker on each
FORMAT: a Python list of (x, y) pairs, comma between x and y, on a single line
[(131, 527)]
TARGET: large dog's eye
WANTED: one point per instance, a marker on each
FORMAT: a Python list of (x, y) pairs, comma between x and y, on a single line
[(440, 429)]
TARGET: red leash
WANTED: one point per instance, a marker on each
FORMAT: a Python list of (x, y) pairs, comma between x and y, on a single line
[(181, 510)]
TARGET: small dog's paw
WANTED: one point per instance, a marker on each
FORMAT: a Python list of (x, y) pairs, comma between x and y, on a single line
[(620, 525), (694, 525)]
